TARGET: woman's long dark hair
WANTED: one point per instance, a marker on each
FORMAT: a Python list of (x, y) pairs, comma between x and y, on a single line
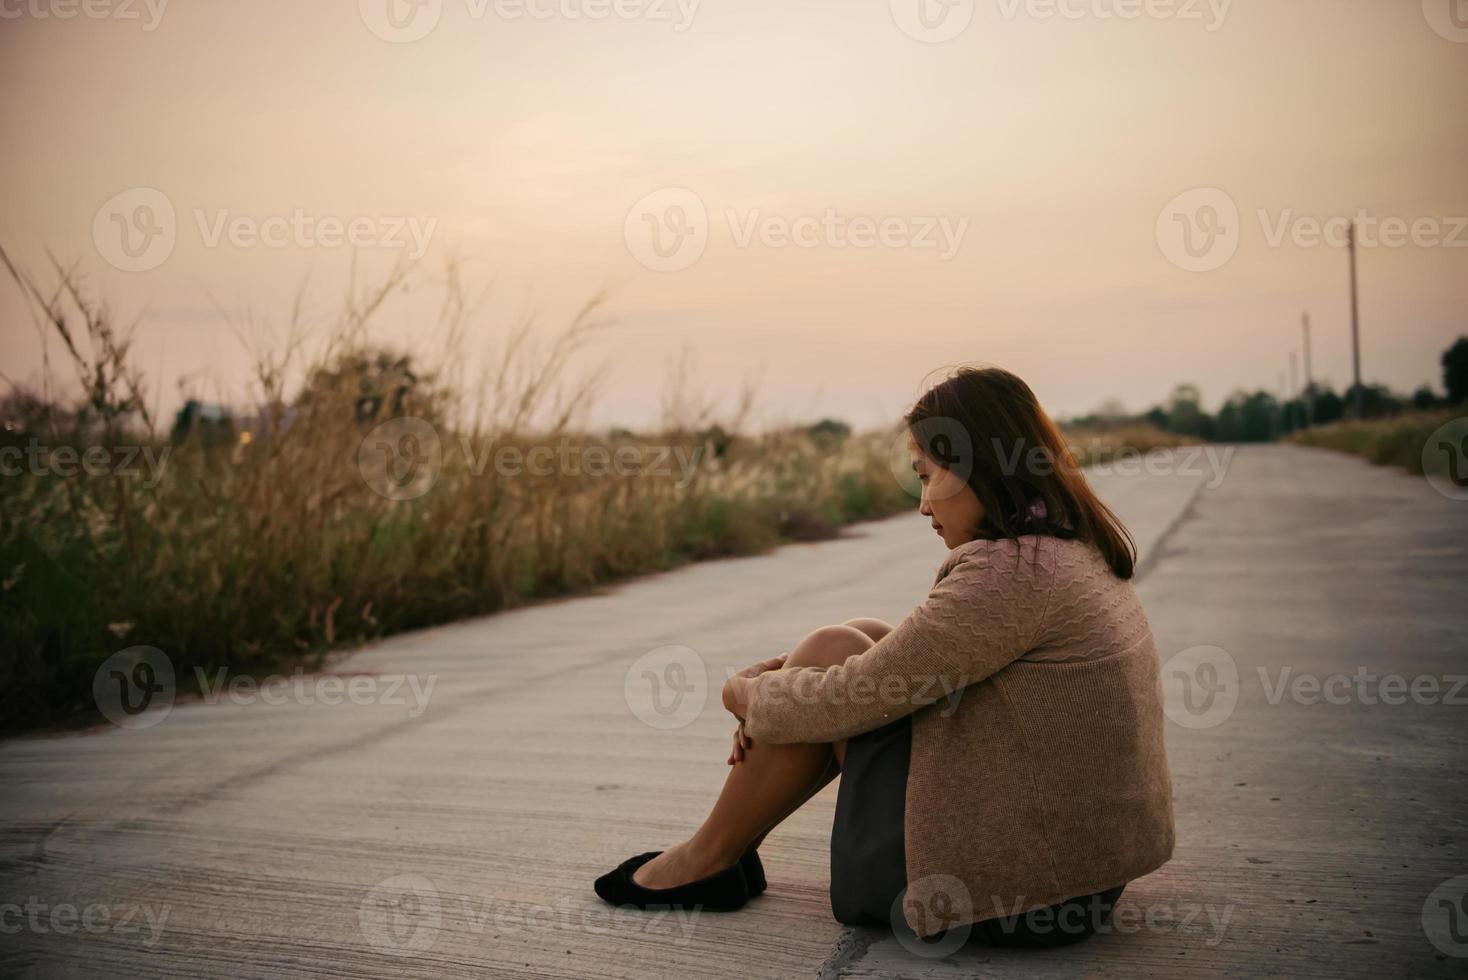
[(987, 425)]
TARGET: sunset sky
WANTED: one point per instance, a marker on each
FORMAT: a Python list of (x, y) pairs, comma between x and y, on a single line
[(1050, 147)]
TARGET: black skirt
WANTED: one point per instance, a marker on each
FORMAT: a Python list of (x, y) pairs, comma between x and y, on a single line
[(869, 860)]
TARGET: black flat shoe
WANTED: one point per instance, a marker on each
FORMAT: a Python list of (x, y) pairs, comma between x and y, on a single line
[(754, 873), (722, 891)]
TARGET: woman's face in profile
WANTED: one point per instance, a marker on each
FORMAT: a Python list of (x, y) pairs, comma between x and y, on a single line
[(947, 499)]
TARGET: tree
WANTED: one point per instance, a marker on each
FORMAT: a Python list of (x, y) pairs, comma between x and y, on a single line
[(1376, 400), (1184, 412), (1423, 398), (212, 425), (1328, 406), (1248, 417), (373, 385), (1455, 371)]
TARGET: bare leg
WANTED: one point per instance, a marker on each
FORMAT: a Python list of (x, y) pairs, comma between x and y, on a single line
[(875, 629), (772, 782)]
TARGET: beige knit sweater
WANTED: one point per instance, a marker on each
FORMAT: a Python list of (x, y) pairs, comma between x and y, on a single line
[(1037, 771)]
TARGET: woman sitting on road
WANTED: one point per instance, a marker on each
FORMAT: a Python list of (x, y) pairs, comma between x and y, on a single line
[(1000, 749)]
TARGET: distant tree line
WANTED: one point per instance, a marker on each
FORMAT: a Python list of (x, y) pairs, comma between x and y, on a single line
[(1260, 416)]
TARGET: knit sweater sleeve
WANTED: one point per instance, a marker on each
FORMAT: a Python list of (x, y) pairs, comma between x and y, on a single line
[(981, 615)]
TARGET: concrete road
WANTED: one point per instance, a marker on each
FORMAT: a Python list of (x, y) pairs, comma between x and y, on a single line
[(442, 810)]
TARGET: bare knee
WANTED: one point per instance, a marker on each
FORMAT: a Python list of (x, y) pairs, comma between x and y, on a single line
[(829, 645), (872, 627)]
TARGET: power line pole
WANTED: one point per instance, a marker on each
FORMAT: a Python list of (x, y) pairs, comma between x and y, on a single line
[(1294, 395), (1277, 423), (1309, 382), (1355, 326)]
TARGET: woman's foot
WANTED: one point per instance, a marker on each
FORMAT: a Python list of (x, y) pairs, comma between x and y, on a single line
[(722, 891), (679, 865)]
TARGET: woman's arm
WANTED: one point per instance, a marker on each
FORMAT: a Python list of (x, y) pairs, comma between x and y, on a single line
[(984, 614)]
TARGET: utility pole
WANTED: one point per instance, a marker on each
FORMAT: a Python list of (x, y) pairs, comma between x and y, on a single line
[(1279, 408), (1309, 382), (1294, 394), (1355, 326)]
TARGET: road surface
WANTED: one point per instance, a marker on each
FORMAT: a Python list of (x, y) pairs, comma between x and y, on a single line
[(443, 810)]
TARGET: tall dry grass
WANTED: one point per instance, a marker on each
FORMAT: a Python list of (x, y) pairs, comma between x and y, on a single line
[(1101, 443), (1395, 441), (267, 545), (254, 546)]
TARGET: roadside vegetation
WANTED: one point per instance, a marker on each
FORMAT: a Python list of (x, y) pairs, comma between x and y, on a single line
[(319, 519), (381, 491), (1261, 416), (1395, 441)]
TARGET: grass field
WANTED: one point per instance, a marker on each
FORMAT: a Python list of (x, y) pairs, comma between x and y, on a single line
[(1395, 441)]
